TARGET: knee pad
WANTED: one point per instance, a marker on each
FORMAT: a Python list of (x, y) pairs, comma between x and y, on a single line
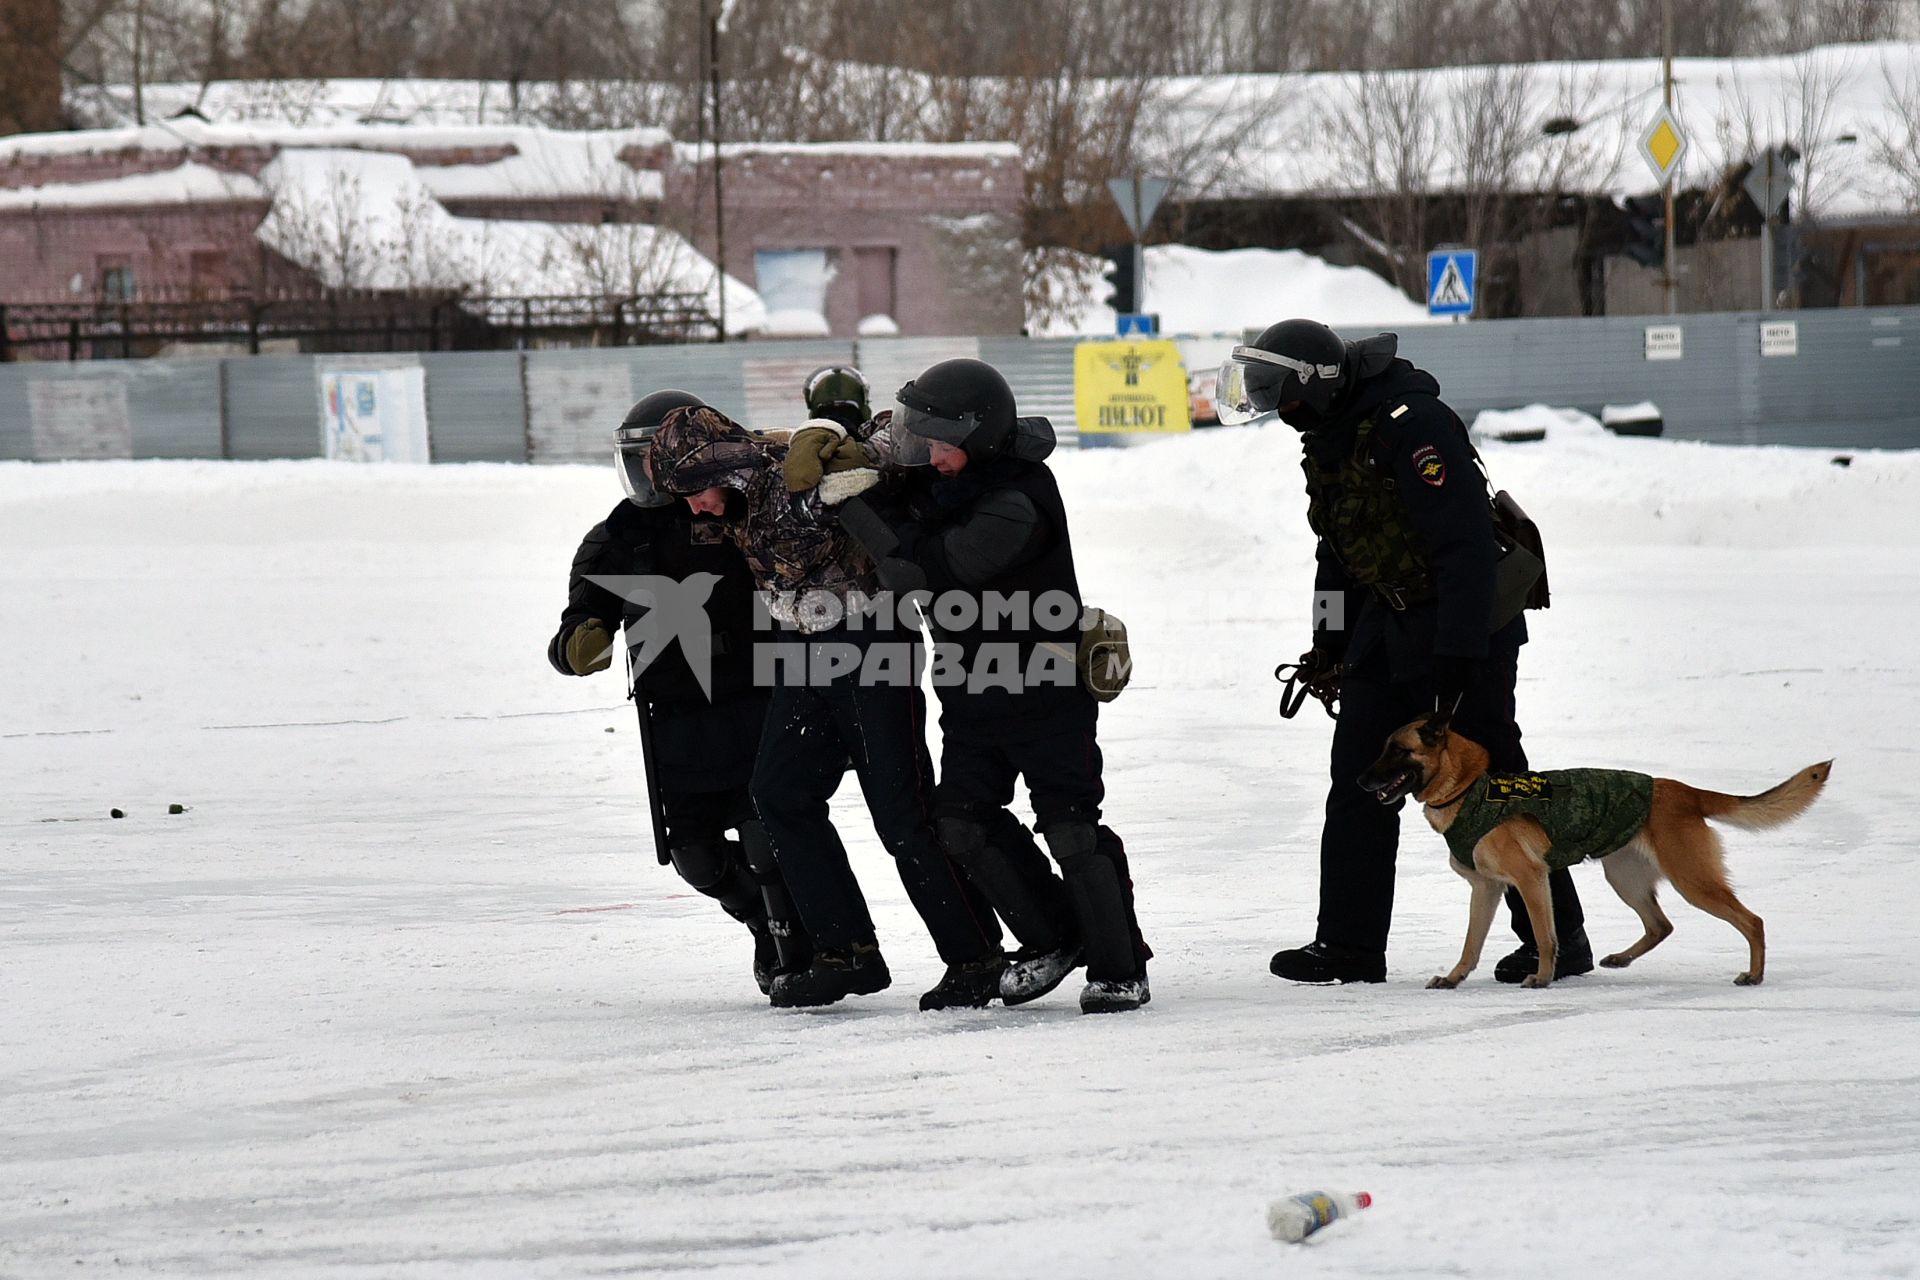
[(756, 850), (703, 865), (1070, 842), (963, 837)]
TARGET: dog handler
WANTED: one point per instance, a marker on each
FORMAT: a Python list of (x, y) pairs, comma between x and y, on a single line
[(1409, 615)]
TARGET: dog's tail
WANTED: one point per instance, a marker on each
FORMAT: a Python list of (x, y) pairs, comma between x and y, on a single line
[(1771, 808)]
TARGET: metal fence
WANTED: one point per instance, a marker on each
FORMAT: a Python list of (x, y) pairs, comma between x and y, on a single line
[(1853, 381)]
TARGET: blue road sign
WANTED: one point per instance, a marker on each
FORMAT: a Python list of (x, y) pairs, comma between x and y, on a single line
[(1136, 324), (1450, 277)]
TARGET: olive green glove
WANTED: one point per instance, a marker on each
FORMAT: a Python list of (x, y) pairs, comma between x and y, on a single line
[(590, 648), (819, 449)]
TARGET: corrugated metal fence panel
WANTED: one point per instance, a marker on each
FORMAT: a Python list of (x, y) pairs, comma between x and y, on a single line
[(272, 407), (891, 363), (1040, 371), (574, 401), (476, 406), (774, 379), (111, 409), (1853, 383)]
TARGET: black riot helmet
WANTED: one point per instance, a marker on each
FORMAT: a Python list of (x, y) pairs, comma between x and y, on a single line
[(963, 403), (1299, 363), (838, 393), (635, 433)]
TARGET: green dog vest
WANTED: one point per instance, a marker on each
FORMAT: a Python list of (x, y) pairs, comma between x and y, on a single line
[(1588, 813)]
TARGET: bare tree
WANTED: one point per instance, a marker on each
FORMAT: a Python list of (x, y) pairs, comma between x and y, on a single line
[(1896, 142), (1384, 122)]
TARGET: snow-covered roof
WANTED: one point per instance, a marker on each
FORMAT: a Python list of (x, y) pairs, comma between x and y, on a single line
[(1280, 134), (544, 163), (188, 183), (370, 220)]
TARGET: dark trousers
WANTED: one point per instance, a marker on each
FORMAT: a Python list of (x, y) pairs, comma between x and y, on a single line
[(1361, 836), (811, 731), (980, 761)]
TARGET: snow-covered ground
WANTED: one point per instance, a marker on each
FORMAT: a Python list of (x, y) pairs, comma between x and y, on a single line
[(403, 993)]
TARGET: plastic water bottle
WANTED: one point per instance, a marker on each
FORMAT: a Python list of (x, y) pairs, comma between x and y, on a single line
[(1297, 1217)]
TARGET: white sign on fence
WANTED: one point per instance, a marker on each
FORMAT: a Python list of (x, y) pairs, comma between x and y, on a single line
[(1665, 342), (1780, 338), (79, 418), (374, 415)]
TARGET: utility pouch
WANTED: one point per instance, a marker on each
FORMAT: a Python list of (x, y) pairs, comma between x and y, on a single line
[(1104, 661), (1520, 574)]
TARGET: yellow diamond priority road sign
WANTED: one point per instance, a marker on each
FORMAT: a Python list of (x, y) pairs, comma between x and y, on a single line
[(1664, 146)]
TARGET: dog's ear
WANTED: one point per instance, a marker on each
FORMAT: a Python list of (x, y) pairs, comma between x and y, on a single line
[(1433, 730)]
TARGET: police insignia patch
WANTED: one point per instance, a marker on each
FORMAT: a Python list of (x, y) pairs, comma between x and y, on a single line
[(1429, 466), (1502, 787)]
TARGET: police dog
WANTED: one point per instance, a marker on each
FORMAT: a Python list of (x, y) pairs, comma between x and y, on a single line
[(1438, 767)]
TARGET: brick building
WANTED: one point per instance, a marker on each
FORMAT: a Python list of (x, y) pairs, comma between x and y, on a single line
[(918, 238)]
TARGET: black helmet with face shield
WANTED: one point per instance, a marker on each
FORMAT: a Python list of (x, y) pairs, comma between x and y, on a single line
[(963, 403), (635, 433), (1296, 367)]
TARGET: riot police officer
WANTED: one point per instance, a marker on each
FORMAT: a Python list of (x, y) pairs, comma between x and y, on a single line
[(1411, 614), (700, 736)]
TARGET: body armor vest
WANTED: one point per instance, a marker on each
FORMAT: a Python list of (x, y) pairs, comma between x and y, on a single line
[(1353, 506), (1588, 813)]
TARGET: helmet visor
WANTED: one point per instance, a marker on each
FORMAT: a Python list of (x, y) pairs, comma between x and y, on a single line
[(915, 430), (1244, 392), (629, 459)]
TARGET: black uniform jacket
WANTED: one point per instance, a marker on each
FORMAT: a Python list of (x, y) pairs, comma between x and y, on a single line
[(1422, 445), (700, 745)]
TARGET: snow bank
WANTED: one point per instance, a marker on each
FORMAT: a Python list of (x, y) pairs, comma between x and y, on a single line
[(1198, 291), (1534, 422)]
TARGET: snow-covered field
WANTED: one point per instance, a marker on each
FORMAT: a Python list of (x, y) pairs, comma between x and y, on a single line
[(403, 993)]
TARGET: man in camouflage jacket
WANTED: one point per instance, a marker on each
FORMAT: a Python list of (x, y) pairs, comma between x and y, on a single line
[(823, 713)]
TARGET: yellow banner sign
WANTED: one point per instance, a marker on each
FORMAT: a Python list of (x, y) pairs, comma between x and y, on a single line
[(1130, 386)]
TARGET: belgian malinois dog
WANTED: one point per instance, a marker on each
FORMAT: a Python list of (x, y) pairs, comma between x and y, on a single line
[(1641, 828)]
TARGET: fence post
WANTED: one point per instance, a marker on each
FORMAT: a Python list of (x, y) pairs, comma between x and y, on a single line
[(6, 342), (73, 340), (253, 328)]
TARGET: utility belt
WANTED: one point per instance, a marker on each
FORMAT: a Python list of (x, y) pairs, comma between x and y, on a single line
[(1399, 598)]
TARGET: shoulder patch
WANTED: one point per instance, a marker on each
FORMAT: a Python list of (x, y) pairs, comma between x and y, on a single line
[(1397, 412), (1429, 465), (1503, 787)]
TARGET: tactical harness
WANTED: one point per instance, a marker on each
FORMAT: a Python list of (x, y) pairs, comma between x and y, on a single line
[(1588, 813)]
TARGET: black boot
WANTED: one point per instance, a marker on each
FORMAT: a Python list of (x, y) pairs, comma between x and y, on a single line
[(1575, 957), (966, 986), (1031, 974), (1329, 962), (766, 960), (833, 976), (1115, 997)]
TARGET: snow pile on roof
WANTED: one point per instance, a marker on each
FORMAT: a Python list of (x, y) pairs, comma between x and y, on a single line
[(546, 163), (368, 220), (1850, 110), (1199, 291), (188, 183)]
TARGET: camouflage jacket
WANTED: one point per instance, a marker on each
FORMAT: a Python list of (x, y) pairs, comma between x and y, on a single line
[(1588, 813), (793, 543)]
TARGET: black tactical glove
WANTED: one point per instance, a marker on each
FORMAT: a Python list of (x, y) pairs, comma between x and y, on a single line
[(1451, 677)]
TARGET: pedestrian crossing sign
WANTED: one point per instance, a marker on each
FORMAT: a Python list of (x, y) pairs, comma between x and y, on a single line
[(1450, 276)]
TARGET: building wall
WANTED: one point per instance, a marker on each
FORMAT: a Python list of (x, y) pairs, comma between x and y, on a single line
[(944, 228), (172, 252), (929, 237)]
